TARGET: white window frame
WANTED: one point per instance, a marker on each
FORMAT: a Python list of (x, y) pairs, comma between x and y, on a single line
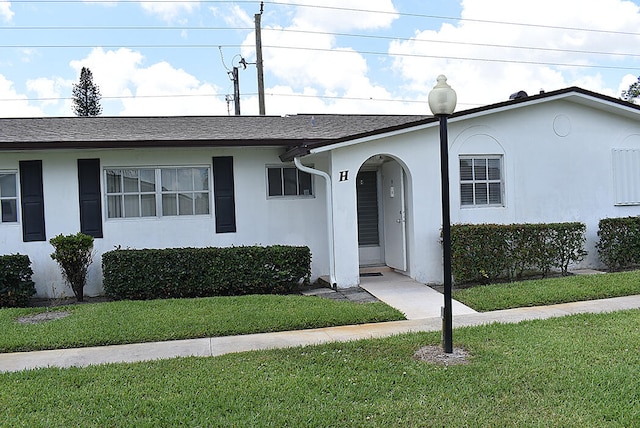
[(477, 183), (283, 194), (158, 193), (8, 198)]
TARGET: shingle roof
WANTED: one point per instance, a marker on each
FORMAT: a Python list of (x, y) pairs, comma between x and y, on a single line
[(298, 133), (108, 132)]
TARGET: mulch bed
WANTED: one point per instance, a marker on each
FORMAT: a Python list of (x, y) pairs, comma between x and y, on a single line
[(435, 355), (42, 317)]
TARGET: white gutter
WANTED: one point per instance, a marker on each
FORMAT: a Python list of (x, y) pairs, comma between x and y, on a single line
[(329, 203)]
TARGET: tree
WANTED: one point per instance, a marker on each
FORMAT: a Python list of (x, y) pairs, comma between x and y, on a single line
[(632, 92), (86, 95)]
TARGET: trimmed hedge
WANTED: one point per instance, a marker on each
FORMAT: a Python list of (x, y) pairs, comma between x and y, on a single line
[(486, 252), (619, 244), (16, 286), (201, 272)]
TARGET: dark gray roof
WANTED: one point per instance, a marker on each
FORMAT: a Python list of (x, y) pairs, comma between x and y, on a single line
[(297, 133), (188, 131)]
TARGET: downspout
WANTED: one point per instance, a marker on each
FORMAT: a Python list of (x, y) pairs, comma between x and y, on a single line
[(329, 204)]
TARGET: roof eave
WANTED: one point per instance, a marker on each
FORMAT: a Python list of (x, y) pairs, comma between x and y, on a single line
[(135, 144), (317, 146)]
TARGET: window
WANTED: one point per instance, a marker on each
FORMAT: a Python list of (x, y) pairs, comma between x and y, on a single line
[(185, 191), (481, 181), (8, 198), (150, 192), (288, 181)]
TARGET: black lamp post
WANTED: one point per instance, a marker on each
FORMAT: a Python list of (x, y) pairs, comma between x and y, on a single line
[(442, 102)]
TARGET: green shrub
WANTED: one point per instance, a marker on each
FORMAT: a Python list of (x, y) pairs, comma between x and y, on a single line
[(74, 255), (200, 272), (16, 286), (486, 252), (619, 244), (478, 252)]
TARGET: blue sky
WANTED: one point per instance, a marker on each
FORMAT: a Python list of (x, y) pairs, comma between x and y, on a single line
[(320, 56)]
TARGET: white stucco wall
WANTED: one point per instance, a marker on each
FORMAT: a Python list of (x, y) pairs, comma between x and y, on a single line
[(418, 153), (259, 220), (557, 166)]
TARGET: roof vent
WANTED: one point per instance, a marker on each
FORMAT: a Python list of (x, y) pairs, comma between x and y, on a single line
[(518, 95)]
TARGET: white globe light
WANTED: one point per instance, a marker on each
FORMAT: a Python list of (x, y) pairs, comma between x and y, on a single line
[(442, 99)]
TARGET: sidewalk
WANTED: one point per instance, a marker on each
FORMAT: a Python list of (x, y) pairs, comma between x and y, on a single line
[(82, 357), (414, 299)]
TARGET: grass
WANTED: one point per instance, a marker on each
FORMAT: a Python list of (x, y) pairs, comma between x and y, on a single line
[(549, 291), (155, 320), (577, 371)]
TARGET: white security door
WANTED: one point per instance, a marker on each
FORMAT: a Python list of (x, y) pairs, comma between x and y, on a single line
[(395, 244)]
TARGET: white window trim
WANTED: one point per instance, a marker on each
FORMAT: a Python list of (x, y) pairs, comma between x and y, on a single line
[(500, 157), (16, 198), (285, 197), (158, 192)]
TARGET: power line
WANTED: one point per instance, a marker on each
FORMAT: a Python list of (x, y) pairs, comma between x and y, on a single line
[(352, 51), (366, 36), (270, 94), (349, 9), (372, 52)]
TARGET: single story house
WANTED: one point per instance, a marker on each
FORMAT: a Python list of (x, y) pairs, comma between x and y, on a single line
[(357, 189)]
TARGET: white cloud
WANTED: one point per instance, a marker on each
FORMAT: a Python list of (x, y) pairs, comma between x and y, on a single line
[(625, 82), (112, 70), (282, 99), (49, 91), (507, 70), (169, 11), (13, 104), (174, 84), (341, 15), (5, 10), (299, 59), (235, 18), (129, 88)]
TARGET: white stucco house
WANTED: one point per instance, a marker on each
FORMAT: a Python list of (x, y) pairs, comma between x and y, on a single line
[(357, 189)]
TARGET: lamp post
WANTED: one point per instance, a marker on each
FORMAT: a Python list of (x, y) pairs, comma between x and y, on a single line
[(442, 102)]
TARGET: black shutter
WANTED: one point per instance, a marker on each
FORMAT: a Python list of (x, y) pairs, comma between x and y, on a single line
[(32, 201), (223, 194), (90, 197)]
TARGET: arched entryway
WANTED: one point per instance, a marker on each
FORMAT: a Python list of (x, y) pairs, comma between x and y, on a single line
[(382, 213)]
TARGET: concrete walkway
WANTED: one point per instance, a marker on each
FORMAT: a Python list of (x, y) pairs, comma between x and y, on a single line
[(215, 346), (415, 300)]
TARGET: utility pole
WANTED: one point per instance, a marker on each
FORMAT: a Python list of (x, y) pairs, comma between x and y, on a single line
[(258, 17), (236, 90)]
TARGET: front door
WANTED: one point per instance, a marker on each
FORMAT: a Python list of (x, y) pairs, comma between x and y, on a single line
[(368, 218), (395, 243)]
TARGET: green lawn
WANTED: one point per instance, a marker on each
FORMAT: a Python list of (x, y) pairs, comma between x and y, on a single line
[(549, 291), (577, 371), (155, 320)]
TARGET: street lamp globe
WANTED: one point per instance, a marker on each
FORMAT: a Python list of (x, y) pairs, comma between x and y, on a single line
[(442, 99)]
